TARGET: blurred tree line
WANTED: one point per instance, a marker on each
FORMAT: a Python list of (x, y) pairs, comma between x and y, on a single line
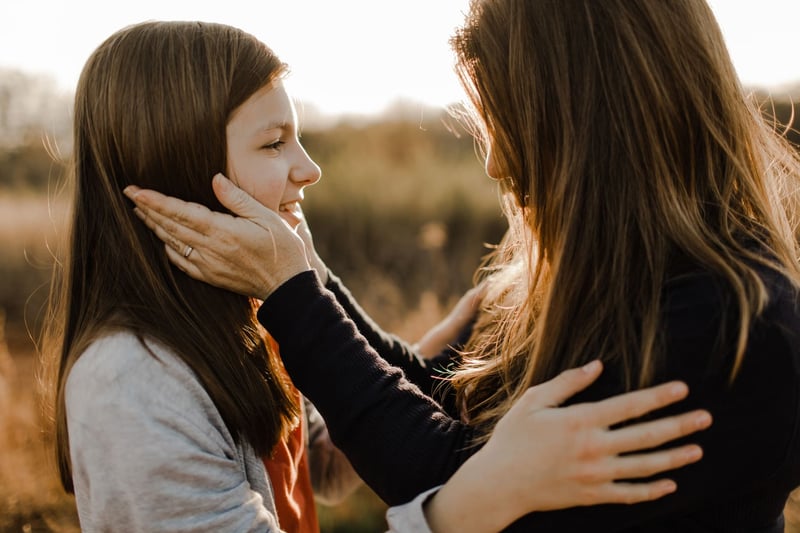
[(404, 208)]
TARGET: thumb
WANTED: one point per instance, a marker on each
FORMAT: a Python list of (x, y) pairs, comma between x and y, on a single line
[(235, 199), (556, 391)]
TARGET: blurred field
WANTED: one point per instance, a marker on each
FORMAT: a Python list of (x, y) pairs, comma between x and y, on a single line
[(402, 215)]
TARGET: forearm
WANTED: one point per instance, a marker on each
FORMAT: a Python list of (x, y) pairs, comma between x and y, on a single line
[(489, 507), (419, 370), (332, 476), (398, 440)]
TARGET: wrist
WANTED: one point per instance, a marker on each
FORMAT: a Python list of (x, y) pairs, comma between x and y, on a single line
[(468, 504), (279, 279)]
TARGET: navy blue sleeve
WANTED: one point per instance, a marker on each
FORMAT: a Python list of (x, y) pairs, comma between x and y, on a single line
[(427, 374), (398, 439), (402, 443)]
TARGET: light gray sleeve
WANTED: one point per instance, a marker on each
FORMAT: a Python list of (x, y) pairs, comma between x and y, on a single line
[(332, 476), (409, 517), (149, 449)]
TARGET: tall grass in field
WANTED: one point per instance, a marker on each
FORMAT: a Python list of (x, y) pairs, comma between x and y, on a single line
[(31, 498)]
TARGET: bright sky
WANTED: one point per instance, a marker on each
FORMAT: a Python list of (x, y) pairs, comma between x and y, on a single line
[(349, 56)]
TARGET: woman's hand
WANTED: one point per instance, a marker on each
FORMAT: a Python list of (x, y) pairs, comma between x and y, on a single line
[(251, 254), (446, 332), (542, 457)]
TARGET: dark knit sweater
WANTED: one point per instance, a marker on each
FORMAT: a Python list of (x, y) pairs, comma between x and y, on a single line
[(402, 442)]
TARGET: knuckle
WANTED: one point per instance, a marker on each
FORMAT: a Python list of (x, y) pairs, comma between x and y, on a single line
[(571, 424), (652, 435), (634, 494), (182, 217), (588, 474), (590, 448), (170, 225), (592, 494), (674, 459)]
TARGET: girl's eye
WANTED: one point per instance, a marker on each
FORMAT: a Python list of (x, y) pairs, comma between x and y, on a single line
[(274, 146)]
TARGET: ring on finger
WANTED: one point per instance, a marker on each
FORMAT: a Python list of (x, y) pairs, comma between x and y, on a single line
[(187, 251)]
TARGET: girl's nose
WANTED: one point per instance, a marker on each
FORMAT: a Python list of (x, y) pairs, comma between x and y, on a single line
[(306, 172)]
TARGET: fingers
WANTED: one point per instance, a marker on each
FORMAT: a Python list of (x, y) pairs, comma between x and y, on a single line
[(635, 404), (235, 199), (168, 239), (182, 262), (173, 221), (655, 433), (649, 464), (163, 208), (556, 391), (633, 492)]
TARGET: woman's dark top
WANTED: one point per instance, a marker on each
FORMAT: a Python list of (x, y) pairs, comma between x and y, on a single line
[(402, 442)]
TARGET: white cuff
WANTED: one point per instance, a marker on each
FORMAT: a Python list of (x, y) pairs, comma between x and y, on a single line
[(409, 517)]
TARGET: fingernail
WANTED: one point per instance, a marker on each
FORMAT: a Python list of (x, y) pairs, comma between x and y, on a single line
[(131, 191), (139, 213), (667, 486), (678, 389), (694, 453), (702, 420), (591, 367), (222, 182)]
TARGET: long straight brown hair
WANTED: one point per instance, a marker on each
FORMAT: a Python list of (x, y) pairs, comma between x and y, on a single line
[(626, 144), (151, 108)]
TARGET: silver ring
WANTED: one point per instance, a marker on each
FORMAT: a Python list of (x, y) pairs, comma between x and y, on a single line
[(188, 251)]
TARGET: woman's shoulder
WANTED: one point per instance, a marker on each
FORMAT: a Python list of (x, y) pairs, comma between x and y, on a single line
[(701, 289), (702, 321)]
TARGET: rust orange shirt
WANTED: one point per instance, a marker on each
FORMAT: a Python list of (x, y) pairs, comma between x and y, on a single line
[(290, 476), (291, 483)]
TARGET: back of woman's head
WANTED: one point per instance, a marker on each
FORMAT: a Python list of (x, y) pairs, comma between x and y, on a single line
[(151, 109), (601, 99), (621, 131)]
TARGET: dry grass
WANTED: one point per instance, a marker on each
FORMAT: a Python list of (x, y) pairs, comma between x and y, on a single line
[(31, 498), (30, 233)]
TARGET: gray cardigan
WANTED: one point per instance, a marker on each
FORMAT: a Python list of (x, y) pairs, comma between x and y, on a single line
[(150, 451)]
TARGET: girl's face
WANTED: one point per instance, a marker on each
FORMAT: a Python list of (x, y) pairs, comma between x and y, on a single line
[(265, 157)]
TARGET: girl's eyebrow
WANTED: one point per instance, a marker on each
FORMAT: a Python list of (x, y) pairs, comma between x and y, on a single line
[(276, 125)]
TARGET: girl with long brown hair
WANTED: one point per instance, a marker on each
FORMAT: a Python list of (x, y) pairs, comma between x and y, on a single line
[(172, 409)]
